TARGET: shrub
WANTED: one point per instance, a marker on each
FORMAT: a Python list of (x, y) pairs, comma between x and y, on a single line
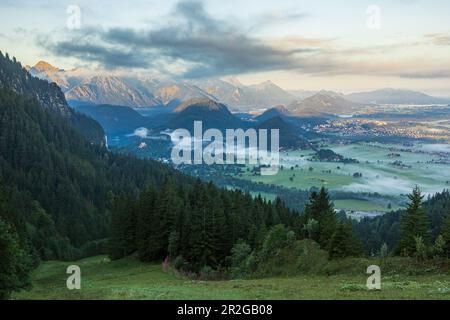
[(181, 264), (209, 274), (310, 257), (240, 254), (278, 238), (439, 247), (421, 249)]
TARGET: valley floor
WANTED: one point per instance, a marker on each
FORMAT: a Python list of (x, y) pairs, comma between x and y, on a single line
[(131, 279)]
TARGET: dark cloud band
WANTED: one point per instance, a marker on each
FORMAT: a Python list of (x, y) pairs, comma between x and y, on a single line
[(206, 46)]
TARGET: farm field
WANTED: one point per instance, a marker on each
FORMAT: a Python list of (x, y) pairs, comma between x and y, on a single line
[(363, 205), (130, 279), (391, 170)]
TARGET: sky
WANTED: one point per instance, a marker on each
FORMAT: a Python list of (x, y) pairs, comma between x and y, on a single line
[(345, 46)]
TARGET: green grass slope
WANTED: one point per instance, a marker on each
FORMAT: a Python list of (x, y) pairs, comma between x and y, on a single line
[(131, 279)]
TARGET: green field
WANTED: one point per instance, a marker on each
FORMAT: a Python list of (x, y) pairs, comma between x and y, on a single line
[(362, 205), (130, 279), (376, 163)]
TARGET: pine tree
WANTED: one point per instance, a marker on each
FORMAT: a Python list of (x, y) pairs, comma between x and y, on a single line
[(167, 209), (123, 227), (199, 251), (321, 209), (445, 232), (15, 264), (414, 224), (148, 225), (220, 246), (343, 243)]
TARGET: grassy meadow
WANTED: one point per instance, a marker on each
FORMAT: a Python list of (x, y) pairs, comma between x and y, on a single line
[(130, 279), (379, 174), (391, 170)]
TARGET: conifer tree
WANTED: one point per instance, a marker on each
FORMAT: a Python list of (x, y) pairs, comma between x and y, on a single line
[(414, 224), (147, 225), (321, 210), (343, 242), (166, 210), (216, 218), (15, 264), (123, 227), (445, 232)]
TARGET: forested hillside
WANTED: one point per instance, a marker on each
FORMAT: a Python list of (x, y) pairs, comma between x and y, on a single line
[(198, 224), (56, 184), (387, 229), (48, 168), (15, 78)]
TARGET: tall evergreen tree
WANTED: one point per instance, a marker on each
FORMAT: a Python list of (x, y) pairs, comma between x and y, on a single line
[(123, 227), (15, 264), (321, 209), (147, 225), (445, 233), (343, 242), (414, 223)]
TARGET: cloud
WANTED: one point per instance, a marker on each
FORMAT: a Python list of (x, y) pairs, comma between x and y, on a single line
[(439, 39), (139, 132), (426, 74), (190, 43), (108, 57), (276, 17), (198, 44)]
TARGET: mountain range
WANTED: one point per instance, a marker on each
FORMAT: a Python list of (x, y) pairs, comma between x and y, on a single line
[(104, 88), (277, 111), (15, 78), (244, 98), (110, 90), (325, 103), (85, 86), (216, 115), (115, 120), (395, 96), (212, 114), (290, 136)]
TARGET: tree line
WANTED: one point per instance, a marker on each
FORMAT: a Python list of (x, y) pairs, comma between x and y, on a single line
[(421, 230), (198, 225)]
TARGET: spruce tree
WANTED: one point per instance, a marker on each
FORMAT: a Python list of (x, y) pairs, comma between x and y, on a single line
[(147, 225), (216, 219), (166, 210), (15, 263), (321, 209), (414, 224), (445, 232), (123, 227), (343, 242)]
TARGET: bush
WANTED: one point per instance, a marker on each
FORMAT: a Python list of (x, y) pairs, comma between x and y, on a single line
[(94, 248), (240, 254), (310, 257), (421, 249), (439, 247), (209, 274), (278, 238), (181, 264), (280, 254)]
